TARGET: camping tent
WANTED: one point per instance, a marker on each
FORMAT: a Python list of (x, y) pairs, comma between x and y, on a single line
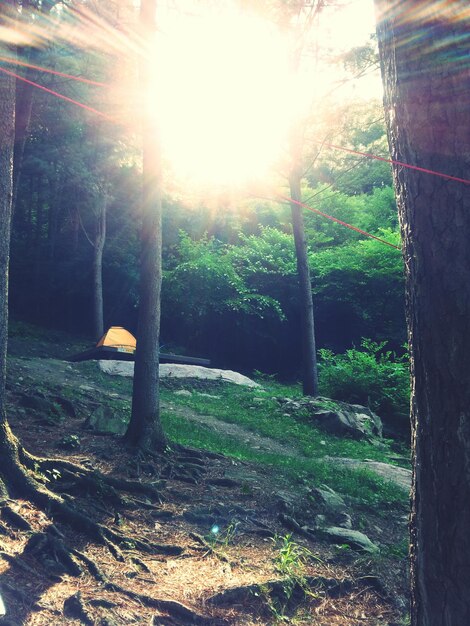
[(118, 339), (119, 344)]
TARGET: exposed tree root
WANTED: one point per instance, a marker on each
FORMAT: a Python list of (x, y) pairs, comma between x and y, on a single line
[(26, 479), (171, 607), (47, 483), (283, 590), (14, 519), (209, 548), (75, 608)]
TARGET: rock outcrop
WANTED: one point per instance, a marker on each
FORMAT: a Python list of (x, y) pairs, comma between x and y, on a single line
[(334, 417)]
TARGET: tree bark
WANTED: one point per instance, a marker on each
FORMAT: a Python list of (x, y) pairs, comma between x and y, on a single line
[(304, 17), (309, 353), (424, 59), (7, 138), (98, 248), (145, 429), (24, 101)]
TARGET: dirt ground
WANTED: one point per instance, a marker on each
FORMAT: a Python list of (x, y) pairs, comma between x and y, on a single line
[(221, 525)]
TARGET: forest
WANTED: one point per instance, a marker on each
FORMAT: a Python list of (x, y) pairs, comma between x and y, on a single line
[(228, 183), (229, 270)]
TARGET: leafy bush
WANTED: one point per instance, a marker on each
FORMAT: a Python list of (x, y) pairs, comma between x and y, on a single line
[(370, 376)]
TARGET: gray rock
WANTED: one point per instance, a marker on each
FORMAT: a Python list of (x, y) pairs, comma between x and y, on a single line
[(183, 392), (170, 370), (40, 404), (285, 501), (353, 538), (328, 498), (344, 520), (320, 521), (104, 419), (337, 418), (401, 476)]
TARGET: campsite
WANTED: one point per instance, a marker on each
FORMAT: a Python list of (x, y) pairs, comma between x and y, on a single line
[(232, 510), (234, 304)]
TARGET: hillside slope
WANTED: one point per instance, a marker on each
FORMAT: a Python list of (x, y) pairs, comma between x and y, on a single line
[(240, 541)]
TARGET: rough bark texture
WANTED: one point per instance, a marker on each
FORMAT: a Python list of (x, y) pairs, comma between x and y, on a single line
[(309, 353), (424, 56), (7, 135), (98, 248), (145, 430), (7, 138)]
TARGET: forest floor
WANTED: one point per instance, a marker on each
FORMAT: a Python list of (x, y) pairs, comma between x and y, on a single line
[(235, 549)]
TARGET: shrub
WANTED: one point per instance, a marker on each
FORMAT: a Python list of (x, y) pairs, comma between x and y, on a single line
[(371, 376)]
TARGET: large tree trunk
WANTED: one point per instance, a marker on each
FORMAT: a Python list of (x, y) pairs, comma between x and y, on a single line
[(424, 56), (98, 248), (7, 138), (309, 354), (24, 101), (145, 429), (304, 16)]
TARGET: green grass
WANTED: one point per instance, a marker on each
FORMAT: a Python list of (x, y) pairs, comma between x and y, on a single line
[(260, 412), (237, 405), (256, 410)]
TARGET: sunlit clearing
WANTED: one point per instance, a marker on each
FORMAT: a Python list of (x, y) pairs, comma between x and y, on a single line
[(222, 96)]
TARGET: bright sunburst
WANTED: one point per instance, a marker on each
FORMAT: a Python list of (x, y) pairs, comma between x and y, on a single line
[(222, 94)]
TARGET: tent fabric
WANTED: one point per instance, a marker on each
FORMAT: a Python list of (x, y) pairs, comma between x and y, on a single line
[(117, 337), (119, 344)]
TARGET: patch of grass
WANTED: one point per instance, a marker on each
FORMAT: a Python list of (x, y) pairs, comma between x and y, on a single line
[(260, 412), (363, 485), (253, 409), (118, 384), (397, 551)]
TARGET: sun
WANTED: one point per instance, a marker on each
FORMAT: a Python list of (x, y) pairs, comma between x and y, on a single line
[(222, 95)]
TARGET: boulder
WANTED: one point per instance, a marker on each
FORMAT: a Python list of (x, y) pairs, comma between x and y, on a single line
[(183, 392), (172, 370), (40, 404), (353, 538), (104, 419), (400, 476), (328, 498), (336, 418)]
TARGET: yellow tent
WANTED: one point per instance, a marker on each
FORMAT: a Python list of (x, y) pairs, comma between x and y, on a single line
[(118, 343), (118, 337)]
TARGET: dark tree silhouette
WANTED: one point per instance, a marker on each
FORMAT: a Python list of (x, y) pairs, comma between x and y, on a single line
[(145, 430), (426, 73)]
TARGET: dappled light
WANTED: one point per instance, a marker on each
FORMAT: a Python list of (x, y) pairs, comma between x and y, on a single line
[(215, 240)]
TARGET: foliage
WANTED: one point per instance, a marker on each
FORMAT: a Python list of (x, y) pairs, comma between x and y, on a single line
[(209, 276), (359, 290), (362, 129), (370, 376), (230, 289), (291, 558)]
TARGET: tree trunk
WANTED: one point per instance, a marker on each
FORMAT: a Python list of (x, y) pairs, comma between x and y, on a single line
[(24, 107), (309, 353), (7, 138), (424, 58), (100, 239), (24, 102), (145, 429)]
